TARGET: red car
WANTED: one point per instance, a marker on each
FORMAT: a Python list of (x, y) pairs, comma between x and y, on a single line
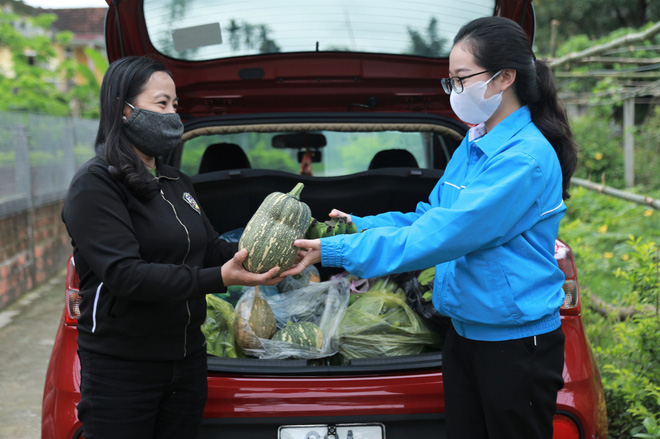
[(273, 93)]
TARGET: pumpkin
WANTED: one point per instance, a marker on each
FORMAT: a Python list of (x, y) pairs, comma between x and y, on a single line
[(305, 334), (252, 324), (269, 235)]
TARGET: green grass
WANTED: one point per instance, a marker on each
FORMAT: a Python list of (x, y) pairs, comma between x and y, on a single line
[(598, 228)]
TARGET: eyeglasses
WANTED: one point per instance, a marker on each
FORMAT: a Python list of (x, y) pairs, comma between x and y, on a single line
[(456, 82)]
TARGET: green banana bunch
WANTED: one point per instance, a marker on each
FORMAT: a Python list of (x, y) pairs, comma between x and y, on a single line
[(426, 276), (425, 279), (332, 227)]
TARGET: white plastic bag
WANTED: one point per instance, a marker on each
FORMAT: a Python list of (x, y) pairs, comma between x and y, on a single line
[(322, 303)]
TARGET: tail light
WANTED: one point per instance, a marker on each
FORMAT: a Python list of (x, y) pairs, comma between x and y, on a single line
[(566, 261), (564, 427), (72, 295)]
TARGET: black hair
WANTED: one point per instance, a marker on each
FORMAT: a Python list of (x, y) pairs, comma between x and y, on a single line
[(500, 43), (123, 81)]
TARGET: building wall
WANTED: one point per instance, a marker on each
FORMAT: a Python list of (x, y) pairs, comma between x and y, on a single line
[(6, 63), (34, 246)]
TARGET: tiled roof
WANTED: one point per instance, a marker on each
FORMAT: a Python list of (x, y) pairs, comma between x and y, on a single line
[(80, 21)]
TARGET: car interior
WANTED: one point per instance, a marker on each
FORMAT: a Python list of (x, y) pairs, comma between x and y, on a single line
[(393, 180)]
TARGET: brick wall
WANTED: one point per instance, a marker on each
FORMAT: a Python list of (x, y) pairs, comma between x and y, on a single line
[(33, 247)]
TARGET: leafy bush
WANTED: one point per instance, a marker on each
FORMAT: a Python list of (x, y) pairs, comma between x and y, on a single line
[(600, 150), (598, 227), (625, 271), (632, 382)]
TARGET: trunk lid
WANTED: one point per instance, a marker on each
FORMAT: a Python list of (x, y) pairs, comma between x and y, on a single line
[(255, 56)]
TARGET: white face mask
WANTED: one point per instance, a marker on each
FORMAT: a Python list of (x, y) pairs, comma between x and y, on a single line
[(470, 105)]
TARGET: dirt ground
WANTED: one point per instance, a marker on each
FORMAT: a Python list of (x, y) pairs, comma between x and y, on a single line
[(27, 331)]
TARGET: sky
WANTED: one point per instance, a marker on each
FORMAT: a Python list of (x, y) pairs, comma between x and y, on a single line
[(63, 4)]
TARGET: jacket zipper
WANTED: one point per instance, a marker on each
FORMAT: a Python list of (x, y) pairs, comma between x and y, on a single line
[(185, 331)]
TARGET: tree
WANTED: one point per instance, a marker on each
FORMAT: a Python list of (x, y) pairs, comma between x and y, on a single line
[(267, 45), (599, 79), (427, 45), (31, 83), (247, 36), (593, 18)]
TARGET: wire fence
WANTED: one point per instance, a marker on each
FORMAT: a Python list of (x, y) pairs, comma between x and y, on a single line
[(38, 156)]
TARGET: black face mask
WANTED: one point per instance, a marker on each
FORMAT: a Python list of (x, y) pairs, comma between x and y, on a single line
[(154, 134)]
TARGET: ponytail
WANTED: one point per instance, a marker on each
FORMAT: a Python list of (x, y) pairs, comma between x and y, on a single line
[(500, 43), (550, 118)]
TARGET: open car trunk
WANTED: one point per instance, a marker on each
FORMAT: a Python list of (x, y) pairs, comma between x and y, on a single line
[(230, 197)]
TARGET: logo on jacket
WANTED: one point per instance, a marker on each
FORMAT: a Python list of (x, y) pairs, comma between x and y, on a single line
[(191, 201)]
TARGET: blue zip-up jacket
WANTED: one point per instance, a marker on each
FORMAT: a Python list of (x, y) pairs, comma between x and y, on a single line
[(489, 228)]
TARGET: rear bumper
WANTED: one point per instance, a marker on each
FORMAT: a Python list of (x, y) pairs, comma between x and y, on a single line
[(396, 426), (334, 397)]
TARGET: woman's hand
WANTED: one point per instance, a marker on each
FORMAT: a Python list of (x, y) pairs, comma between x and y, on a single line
[(339, 213), (309, 254), (233, 273)]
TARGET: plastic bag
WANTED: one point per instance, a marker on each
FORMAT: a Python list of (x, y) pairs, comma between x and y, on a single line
[(218, 328), (415, 298), (381, 324), (232, 235), (322, 303)]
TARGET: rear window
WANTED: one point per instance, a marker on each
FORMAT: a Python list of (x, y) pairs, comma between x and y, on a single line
[(344, 152), (200, 30)]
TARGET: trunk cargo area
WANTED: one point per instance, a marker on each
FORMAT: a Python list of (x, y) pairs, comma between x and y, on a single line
[(229, 198)]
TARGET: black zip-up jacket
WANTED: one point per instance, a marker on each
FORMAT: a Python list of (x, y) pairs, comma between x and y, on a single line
[(144, 267)]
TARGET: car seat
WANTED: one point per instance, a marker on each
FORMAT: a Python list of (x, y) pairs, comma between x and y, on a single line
[(223, 156), (393, 158)]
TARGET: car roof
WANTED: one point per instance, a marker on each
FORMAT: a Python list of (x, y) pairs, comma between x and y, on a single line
[(359, 55)]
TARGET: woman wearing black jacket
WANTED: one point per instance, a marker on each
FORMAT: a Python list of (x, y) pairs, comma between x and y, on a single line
[(146, 255)]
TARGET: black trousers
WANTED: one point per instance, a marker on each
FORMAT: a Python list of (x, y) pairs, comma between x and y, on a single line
[(502, 390), (135, 399)]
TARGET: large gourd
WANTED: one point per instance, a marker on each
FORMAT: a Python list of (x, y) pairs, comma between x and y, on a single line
[(269, 235), (251, 324)]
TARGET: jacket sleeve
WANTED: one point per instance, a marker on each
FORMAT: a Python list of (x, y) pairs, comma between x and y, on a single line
[(97, 219), (497, 205), (390, 219)]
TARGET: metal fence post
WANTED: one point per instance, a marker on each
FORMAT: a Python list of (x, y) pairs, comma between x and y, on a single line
[(23, 180), (629, 141)]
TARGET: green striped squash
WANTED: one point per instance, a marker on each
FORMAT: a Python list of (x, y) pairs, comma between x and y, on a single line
[(269, 235), (305, 334), (260, 323)]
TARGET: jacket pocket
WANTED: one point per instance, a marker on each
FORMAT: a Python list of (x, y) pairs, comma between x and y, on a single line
[(511, 313), (478, 292), (118, 306)]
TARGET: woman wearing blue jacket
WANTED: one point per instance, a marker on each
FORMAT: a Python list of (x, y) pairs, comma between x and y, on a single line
[(489, 227)]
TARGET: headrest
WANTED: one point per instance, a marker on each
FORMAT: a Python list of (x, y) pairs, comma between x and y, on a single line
[(393, 158), (223, 156)]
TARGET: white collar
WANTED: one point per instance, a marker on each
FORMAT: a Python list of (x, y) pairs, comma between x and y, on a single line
[(477, 132)]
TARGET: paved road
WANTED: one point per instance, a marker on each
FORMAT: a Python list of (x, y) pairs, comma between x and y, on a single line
[(27, 330)]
